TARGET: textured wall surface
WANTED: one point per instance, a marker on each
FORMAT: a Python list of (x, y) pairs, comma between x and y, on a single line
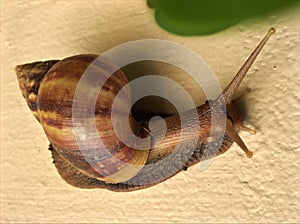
[(232, 189)]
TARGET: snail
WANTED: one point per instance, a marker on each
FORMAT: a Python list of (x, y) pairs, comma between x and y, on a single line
[(49, 87)]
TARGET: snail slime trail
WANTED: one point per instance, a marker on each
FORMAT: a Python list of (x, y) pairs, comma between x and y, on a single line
[(49, 88)]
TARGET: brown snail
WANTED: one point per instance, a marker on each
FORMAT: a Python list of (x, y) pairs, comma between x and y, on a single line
[(49, 88)]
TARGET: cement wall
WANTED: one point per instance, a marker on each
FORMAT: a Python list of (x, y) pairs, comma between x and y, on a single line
[(232, 189)]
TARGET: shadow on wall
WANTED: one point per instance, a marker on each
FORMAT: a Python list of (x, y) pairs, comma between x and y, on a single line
[(203, 17)]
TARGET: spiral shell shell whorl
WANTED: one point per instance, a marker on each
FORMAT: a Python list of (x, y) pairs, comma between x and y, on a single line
[(29, 78), (49, 89)]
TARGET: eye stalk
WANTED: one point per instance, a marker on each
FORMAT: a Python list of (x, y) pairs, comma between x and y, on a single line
[(234, 116)]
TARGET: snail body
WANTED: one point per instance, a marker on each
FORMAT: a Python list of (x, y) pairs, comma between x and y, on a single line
[(49, 88)]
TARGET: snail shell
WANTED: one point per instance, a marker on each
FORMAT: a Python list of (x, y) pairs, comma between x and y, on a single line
[(49, 88), (53, 105)]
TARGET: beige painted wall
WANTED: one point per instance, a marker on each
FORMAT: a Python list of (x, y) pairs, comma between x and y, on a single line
[(232, 189)]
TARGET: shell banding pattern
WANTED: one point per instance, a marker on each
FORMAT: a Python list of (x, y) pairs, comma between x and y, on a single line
[(135, 51)]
